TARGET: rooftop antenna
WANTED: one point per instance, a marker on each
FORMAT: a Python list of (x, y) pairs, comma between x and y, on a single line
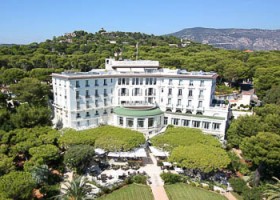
[(137, 44)]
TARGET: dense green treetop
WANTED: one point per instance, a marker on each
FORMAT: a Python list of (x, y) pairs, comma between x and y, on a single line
[(266, 119), (6, 164), (264, 148), (12, 75), (200, 156), (106, 137), (30, 90), (243, 126), (79, 156), (17, 185), (181, 136)]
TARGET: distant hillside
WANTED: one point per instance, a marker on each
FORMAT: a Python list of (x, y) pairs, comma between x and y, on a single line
[(253, 39)]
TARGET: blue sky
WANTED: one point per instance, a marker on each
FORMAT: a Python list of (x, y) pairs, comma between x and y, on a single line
[(25, 21)]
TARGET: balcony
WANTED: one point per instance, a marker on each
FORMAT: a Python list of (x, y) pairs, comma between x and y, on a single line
[(105, 94), (87, 96), (87, 85), (96, 95)]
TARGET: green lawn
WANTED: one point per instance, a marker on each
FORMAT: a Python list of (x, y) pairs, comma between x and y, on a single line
[(183, 191), (133, 191)]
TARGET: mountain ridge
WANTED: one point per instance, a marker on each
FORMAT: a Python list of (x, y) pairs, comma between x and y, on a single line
[(233, 38)]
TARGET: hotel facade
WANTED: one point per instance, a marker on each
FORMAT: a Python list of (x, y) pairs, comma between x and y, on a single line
[(139, 95)]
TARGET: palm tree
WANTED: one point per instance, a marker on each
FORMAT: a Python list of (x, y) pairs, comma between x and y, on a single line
[(77, 189), (273, 190)]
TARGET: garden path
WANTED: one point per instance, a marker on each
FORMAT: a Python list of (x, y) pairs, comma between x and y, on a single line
[(157, 183)]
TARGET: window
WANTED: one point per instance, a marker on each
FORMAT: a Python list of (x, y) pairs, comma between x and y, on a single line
[(105, 112), (216, 126), (189, 103), (77, 84), (87, 114), (191, 83), (162, 90), (77, 94), (201, 83), (170, 82), (87, 104), (151, 81), (155, 81), (87, 94), (129, 122), (140, 122), (105, 102), (169, 101), (199, 104), (190, 93), (175, 121), (120, 120), (179, 103), (150, 122), (96, 93), (205, 125), (150, 91), (127, 81), (96, 113), (96, 103), (124, 92), (87, 83), (119, 81), (180, 92), (111, 80), (141, 81), (136, 92), (133, 81), (165, 120), (105, 93), (180, 82), (196, 124), (78, 105), (200, 94), (96, 82), (78, 115), (147, 81), (105, 82), (169, 91), (185, 122)]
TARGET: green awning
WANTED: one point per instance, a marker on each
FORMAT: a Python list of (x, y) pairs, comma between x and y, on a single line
[(137, 112)]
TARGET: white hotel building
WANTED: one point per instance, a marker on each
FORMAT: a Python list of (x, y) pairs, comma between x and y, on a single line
[(139, 95)]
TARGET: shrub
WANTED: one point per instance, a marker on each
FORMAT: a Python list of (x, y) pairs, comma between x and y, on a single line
[(140, 179), (170, 178), (238, 185)]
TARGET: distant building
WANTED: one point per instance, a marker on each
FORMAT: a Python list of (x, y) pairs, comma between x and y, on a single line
[(139, 95)]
